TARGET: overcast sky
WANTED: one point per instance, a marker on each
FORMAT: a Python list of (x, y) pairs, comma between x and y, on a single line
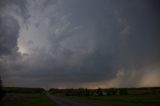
[(80, 43)]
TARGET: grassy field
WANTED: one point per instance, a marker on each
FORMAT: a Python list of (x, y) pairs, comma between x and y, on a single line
[(26, 100), (128, 100)]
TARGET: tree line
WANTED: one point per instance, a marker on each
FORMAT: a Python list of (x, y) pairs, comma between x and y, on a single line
[(23, 90), (105, 92)]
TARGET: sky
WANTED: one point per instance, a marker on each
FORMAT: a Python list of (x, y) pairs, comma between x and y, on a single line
[(80, 43)]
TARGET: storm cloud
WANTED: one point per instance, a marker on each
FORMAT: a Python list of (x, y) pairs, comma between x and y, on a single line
[(80, 43), (9, 35)]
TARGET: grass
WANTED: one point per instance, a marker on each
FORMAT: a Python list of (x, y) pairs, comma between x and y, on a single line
[(127, 100), (27, 100)]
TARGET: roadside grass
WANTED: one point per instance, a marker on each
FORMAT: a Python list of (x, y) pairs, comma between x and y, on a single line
[(28, 100), (125, 100)]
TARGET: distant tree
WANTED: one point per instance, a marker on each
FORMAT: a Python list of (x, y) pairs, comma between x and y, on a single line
[(1, 91), (99, 92), (123, 91)]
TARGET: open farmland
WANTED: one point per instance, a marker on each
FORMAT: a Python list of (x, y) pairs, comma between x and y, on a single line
[(26, 100), (125, 100), (16, 96), (109, 97)]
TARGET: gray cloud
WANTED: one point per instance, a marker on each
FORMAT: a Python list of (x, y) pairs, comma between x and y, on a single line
[(141, 47), (17, 6), (9, 29), (104, 43)]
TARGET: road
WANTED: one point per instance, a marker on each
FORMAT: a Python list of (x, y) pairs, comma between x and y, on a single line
[(61, 101)]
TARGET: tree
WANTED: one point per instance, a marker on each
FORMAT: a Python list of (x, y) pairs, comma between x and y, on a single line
[(123, 91), (1, 91), (99, 92)]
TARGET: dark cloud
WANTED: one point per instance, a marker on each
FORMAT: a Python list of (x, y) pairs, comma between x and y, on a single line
[(83, 41), (9, 32), (141, 46)]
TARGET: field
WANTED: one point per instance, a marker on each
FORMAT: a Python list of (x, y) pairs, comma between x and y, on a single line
[(26, 100), (42, 100), (125, 100), (16, 96)]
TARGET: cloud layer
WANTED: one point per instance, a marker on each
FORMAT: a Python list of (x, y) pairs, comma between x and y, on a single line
[(58, 43)]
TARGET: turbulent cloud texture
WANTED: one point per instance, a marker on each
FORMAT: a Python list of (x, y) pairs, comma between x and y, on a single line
[(9, 34), (80, 43)]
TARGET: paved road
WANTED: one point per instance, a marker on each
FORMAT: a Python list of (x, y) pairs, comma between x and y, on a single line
[(60, 101)]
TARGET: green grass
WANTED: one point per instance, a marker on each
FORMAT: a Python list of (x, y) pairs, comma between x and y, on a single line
[(128, 100), (31, 100)]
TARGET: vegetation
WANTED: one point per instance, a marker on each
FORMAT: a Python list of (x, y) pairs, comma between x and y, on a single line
[(106, 92), (121, 100), (23, 90), (113, 96), (27, 100), (21, 96), (0, 89), (2, 93)]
